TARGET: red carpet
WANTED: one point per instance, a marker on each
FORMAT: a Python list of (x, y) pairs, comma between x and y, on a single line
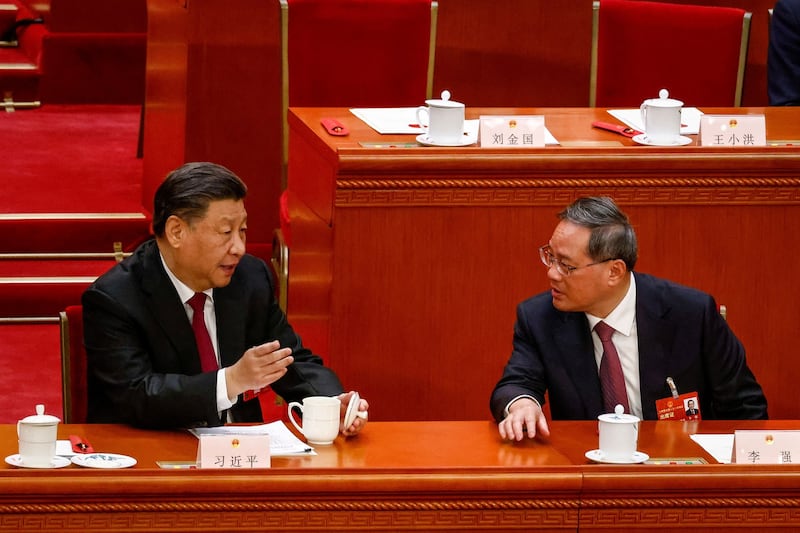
[(71, 159), (30, 361)]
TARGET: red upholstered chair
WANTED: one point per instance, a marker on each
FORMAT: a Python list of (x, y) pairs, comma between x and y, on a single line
[(358, 53), (73, 366), (696, 52)]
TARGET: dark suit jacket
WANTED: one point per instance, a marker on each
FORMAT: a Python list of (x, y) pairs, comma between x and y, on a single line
[(681, 334), (783, 56), (144, 367)]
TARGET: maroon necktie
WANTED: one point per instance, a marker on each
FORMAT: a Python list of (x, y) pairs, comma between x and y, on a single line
[(208, 359), (611, 379)]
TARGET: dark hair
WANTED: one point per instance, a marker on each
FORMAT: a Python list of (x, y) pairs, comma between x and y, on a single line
[(612, 234), (187, 191)]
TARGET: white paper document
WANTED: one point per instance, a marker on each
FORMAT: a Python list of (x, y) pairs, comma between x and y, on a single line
[(390, 120), (282, 441), (720, 447), (690, 119)]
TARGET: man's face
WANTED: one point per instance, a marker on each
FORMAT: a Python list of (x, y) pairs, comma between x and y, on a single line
[(585, 289), (209, 249)]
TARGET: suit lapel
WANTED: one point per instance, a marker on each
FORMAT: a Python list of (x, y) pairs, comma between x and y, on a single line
[(168, 310), (656, 333), (573, 336), (231, 322)]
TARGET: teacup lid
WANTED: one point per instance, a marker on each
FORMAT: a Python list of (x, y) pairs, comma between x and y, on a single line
[(618, 416), (445, 101), (664, 100), (40, 417)]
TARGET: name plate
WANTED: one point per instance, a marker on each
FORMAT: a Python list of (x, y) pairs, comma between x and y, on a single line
[(764, 447), (237, 452), (515, 131), (733, 130)]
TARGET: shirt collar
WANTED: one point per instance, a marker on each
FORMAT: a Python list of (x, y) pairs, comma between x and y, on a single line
[(621, 318), (184, 292)]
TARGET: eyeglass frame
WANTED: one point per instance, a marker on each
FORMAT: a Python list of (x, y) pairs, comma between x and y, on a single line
[(560, 266)]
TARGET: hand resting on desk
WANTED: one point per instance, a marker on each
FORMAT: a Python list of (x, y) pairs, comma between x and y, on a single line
[(524, 414)]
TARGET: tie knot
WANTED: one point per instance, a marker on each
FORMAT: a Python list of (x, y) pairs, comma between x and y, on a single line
[(197, 302), (604, 331)]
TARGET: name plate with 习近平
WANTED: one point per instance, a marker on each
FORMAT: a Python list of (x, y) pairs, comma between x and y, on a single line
[(733, 130), (237, 452), (515, 131), (765, 447)]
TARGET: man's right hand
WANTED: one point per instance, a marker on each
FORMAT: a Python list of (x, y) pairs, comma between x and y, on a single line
[(524, 414), (258, 367)]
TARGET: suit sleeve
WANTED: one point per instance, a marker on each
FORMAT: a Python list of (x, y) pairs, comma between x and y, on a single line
[(524, 371), (736, 395), (783, 57)]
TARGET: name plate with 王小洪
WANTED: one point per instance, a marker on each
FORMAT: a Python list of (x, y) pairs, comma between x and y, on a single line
[(733, 130), (515, 131), (236, 452), (766, 447)]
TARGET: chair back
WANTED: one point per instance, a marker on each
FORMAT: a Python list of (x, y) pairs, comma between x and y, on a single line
[(698, 53), (356, 53), (73, 366)]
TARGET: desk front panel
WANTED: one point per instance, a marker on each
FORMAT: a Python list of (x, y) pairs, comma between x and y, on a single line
[(407, 263), (407, 476)]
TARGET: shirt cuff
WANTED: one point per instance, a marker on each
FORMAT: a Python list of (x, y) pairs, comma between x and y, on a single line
[(223, 402), (508, 405)]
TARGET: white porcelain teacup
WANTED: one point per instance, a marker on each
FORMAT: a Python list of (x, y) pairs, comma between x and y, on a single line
[(444, 119), (662, 118), (619, 435), (320, 418), (37, 438)]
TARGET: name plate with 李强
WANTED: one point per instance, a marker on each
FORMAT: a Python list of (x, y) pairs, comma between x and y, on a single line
[(762, 447), (733, 130), (515, 131)]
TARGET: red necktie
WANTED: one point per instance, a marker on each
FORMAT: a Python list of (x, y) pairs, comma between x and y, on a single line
[(611, 379), (208, 359)]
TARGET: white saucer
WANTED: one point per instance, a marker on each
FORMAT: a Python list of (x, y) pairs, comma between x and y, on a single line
[(680, 141), (57, 462), (103, 460), (424, 140), (352, 412), (597, 456)]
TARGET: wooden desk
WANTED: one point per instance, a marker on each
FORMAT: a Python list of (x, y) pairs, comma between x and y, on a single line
[(406, 476), (407, 264)]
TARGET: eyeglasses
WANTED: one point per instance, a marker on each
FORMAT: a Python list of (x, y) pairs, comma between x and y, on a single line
[(549, 260)]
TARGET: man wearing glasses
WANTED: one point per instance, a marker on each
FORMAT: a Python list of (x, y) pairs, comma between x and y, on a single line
[(655, 329)]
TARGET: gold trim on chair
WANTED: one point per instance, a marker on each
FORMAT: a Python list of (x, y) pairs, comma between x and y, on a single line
[(280, 263), (432, 53), (65, 366), (743, 47)]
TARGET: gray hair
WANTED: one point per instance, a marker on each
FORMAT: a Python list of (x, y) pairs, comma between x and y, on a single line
[(612, 234)]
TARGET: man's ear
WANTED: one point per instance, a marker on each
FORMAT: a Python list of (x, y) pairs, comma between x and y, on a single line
[(175, 231), (617, 271)]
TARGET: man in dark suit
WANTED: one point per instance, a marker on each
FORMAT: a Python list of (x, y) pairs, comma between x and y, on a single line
[(144, 355), (783, 56), (660, 330)]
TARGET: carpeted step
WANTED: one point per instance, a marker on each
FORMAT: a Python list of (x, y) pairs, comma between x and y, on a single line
[(72, 180), (42, 287)]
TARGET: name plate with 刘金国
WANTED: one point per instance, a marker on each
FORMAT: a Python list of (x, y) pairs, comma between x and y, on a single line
[(515, 131), (733, 130), (766, 447), (234, 452)]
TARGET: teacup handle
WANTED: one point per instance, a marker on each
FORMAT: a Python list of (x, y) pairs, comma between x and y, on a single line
[(291, 415), (420, 111), (643, 111)]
